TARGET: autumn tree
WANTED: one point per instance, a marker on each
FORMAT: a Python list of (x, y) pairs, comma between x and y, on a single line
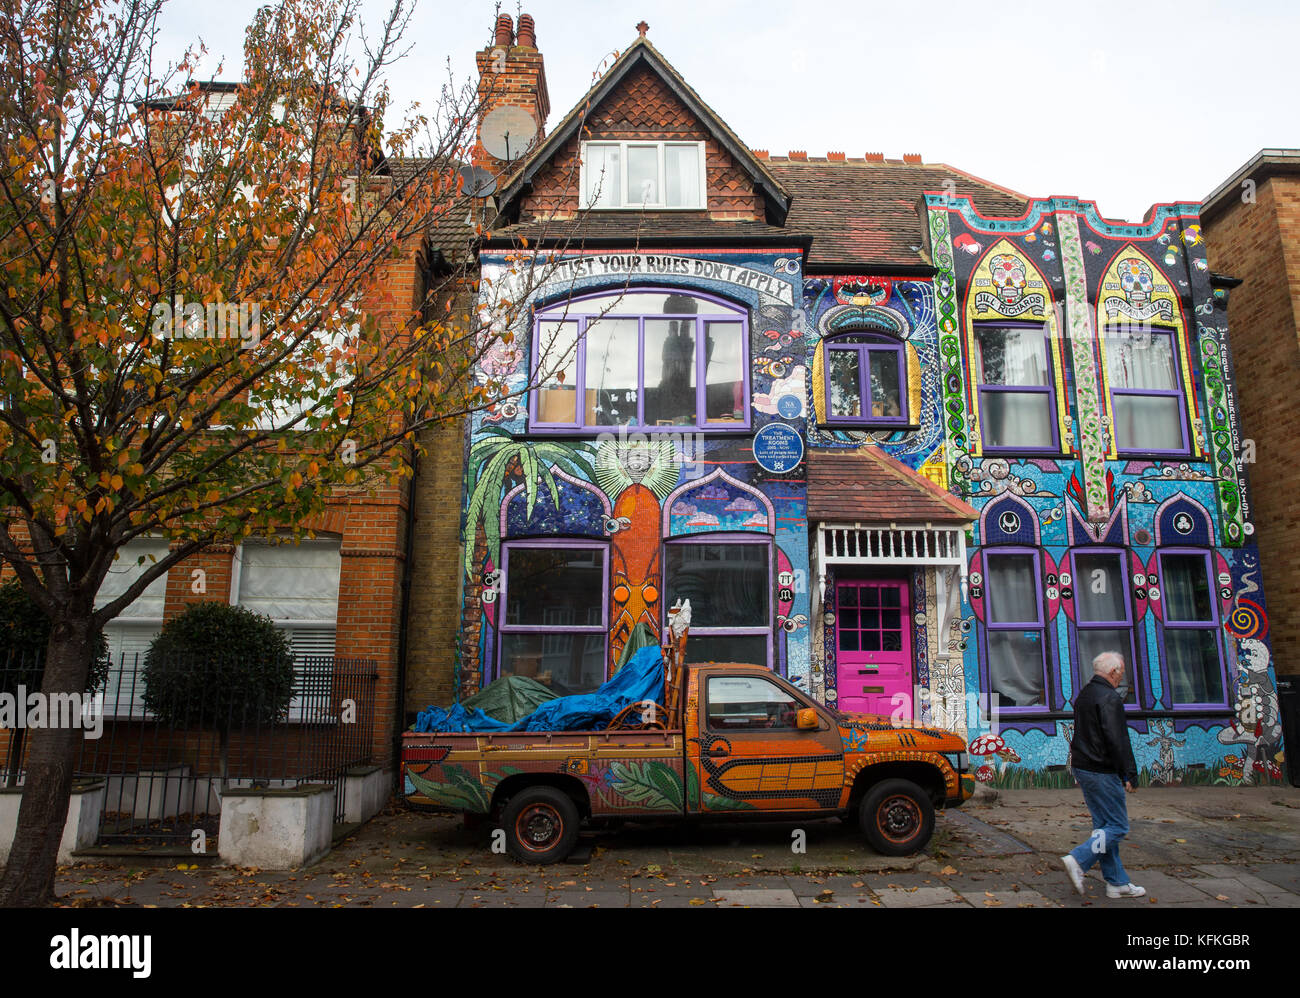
[(189, 342)]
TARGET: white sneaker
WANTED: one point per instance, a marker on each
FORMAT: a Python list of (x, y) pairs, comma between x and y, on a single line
[(1074, 870), (1126, 891)]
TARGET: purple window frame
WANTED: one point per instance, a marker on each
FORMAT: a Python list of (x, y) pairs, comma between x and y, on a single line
[(565, 310), (725, 539), (1040, 626), (1049, 390), (879, 344), (1180, 394), (1130, 659), (1213, 625), (552, 544)]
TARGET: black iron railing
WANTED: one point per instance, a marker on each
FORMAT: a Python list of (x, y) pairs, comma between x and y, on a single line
[(167, 761)]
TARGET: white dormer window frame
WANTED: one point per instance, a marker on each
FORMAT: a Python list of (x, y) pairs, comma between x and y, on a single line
[(613, 186)]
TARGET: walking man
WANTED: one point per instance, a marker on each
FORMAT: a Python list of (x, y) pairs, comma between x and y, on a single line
[(1103, 764)]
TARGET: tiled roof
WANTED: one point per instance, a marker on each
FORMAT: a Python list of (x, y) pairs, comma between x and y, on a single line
[(866, 485), (858, 214), (863, 213), (450, 231)]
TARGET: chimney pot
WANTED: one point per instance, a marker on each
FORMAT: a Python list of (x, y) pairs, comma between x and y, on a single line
[(527, 31), (835, 157), (760, 153), (875, 157), (911, 157), (506, 29), (799, 154)]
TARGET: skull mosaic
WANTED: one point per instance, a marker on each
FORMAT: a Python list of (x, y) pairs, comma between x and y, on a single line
[(1008, 272), (1136, 279)]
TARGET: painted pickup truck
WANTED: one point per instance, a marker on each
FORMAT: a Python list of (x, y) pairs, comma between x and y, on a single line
[(752, 746)]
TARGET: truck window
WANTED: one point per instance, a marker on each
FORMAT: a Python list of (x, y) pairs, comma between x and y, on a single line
[(737, 703)]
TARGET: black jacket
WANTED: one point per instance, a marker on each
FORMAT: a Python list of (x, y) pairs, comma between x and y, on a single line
[(1101, 742)]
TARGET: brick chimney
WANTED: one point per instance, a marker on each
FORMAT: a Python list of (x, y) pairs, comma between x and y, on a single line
[(511, 72)]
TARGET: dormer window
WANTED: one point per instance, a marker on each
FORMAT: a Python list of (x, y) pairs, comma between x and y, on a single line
[(643, 175)]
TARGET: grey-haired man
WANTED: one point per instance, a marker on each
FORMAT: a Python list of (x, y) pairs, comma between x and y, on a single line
[(1105, 769)]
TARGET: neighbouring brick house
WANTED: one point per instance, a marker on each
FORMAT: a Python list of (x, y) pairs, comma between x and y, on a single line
[(1252, 227), (338, 596), (915, 441)]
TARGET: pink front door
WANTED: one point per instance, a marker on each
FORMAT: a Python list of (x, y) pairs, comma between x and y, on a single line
[(873, 646)]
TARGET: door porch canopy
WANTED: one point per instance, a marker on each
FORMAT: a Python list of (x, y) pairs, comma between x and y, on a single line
[(870, 509)]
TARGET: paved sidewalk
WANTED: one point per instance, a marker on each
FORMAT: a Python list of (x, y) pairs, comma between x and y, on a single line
[(1190, 847)]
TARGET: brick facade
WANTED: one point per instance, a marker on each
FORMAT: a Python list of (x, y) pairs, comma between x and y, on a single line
[(434, 607)]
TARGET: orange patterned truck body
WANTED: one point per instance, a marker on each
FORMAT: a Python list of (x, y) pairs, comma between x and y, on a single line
[(751, 745)]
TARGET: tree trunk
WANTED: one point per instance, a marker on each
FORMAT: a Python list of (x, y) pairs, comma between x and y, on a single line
[(52, 757)]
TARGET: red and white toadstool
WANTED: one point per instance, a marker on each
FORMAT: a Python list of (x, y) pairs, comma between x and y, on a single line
[(991, 744)]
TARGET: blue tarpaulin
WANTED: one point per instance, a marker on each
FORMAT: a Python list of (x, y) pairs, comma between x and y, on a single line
[(642, 678)]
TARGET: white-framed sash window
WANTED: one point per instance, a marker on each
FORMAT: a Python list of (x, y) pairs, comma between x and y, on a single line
[(130, 634), (297, 586), (643, 175)]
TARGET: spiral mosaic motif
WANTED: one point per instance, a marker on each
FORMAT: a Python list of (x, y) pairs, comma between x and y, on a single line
[(1247, 620)]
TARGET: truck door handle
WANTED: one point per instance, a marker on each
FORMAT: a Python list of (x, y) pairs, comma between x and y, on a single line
[(717, 752)]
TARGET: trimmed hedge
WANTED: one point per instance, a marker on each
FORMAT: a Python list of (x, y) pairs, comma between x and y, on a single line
[(219, 666)]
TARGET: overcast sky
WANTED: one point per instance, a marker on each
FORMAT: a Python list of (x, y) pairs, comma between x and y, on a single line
[(1125, 102)]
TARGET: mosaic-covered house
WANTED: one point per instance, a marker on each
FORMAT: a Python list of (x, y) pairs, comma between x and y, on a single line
[(1089, 416), (905, 437)]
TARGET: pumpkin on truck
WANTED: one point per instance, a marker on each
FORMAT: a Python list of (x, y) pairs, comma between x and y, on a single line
[(742, 743)]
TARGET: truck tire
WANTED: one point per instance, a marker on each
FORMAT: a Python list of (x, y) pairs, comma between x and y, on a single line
[(897, 817), (541, 825)]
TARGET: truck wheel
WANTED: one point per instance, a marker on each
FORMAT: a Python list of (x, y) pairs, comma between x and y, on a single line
[(897, 817), (541, 825)]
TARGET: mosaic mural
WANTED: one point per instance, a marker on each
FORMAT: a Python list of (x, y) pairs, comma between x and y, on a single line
[(630, 490), (1112, 296)]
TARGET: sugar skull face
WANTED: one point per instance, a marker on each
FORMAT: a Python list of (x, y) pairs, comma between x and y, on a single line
[(1008, 273), (1136, 280)]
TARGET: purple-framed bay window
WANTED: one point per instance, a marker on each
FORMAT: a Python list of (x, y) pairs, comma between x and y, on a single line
[(1193, 649), (554, 612), (653, 359), (866, 381), (1017, 389), (728, 579), (1014, 630), (1147, 401), (1103, 614)]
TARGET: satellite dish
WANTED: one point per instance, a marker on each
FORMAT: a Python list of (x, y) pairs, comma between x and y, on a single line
[(478, 181), (509, 132)]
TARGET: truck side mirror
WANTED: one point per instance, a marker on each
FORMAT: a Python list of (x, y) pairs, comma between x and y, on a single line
[(807, 720)]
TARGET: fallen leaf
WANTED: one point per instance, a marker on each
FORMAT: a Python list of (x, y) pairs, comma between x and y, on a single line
[(947, 871), (1221, 897)]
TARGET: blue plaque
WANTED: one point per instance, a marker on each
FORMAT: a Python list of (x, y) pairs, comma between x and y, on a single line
[(789, 406), (778, 448)]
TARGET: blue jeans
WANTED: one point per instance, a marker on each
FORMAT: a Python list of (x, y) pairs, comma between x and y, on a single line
[(1104, 795)]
